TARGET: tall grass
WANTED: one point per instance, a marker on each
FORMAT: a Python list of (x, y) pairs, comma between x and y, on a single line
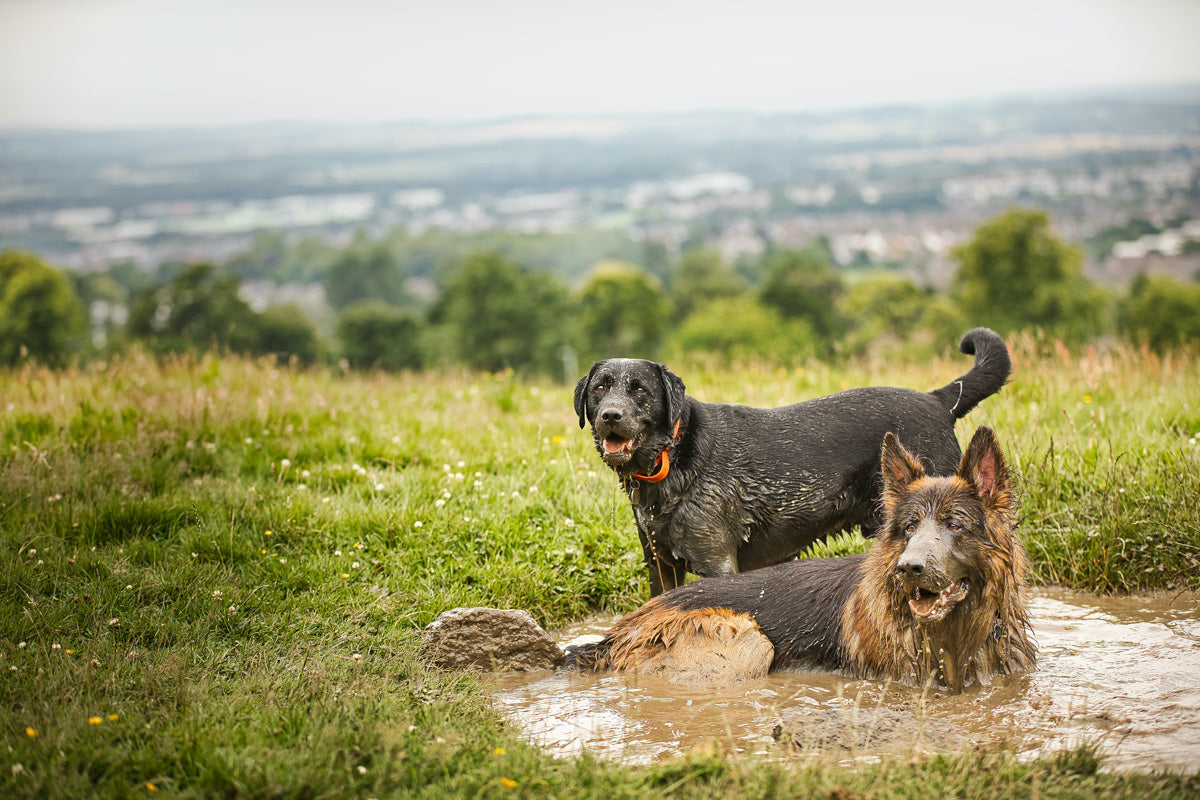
[(214, 570)]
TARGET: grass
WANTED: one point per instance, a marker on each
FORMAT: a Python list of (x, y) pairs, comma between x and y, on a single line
[(215, 570)]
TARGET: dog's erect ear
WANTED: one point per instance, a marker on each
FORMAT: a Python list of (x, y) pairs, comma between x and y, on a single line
[(673, 392), (581, 394), (983, 466), (900, 468)]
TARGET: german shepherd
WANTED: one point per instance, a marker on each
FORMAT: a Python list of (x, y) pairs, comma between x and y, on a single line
[(938, 599), (718, 489)]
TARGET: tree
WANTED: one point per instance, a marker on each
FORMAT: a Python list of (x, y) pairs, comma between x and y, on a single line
[(1162, 313), (700, 276), (884, 309), (736, 328), (286, 332), (365, 272), (802, 284), (197, 310), (375, 335), (40, 315), (501, 316), (622, 312), (1016, 274)]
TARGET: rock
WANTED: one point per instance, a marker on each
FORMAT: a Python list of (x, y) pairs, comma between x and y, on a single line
[(858, 729), (492, 639)]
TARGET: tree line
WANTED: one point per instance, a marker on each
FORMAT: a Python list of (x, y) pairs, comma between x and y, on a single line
[(491, 313)]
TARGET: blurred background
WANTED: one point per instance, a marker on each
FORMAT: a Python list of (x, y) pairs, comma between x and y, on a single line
[(533, 184)]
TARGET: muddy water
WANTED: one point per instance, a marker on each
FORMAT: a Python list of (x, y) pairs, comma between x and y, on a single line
[(1120, 673)]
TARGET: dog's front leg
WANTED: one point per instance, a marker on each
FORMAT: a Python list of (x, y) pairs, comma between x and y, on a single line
[(665, 570)]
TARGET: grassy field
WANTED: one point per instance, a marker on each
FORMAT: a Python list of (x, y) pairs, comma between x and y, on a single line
[(215, 571)]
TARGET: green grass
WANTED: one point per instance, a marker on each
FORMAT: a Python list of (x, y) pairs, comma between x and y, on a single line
[(234, 562)]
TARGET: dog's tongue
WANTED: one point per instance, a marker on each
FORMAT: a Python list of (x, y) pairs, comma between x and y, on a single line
[(926, 604), (617, 445)]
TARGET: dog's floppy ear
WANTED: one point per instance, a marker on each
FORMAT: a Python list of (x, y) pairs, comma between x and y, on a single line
[(581, 394), (673, 392), (900, 468), (984, 468)]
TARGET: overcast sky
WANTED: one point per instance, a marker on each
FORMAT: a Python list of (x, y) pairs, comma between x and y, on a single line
[(122, 63)]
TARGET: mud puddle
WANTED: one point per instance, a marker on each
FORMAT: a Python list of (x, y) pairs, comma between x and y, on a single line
[(1122, 673)]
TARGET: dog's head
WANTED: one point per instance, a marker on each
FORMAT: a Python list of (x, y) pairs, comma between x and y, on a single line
[(632, 405), (951, 539)]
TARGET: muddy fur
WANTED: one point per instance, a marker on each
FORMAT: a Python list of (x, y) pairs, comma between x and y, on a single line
[(718, 489), (894, 613), (707, 646)]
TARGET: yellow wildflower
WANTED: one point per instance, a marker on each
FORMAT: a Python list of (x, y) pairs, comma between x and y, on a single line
[(509, 783), (95, 721), (31, 733)]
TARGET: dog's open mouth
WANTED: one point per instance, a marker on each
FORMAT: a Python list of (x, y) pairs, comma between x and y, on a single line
[(933, 606), (618, 451)]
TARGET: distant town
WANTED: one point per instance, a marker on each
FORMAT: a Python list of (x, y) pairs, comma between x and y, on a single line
[(891, 188)]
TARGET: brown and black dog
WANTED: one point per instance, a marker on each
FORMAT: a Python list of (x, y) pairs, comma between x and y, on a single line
[(718, 489), (939, 598)]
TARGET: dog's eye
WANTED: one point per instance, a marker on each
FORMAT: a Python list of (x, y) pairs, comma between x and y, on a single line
[(910, 529), (954, 525), (638, 390), (599, 390)]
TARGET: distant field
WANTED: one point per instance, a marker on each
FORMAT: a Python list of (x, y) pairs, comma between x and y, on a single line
[(214, 570)]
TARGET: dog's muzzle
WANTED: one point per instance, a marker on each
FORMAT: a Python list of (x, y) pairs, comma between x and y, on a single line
[(932, 594), (617, 435)]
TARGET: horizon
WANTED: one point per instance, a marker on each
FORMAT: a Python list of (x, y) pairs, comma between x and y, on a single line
[(1113, 92), (176, 64)]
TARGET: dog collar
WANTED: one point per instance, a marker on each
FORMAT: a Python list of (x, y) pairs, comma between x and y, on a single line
[(663, 463)]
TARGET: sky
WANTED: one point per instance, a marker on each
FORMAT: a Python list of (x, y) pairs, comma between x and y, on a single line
[(137, 63)]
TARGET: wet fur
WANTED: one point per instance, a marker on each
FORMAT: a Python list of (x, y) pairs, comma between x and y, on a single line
[(751, 487), (852, 614)]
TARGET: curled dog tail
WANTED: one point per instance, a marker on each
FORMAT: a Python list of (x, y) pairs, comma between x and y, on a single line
[(990, 372)]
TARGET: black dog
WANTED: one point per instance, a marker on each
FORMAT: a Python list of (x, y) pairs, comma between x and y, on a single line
[(718, 489)]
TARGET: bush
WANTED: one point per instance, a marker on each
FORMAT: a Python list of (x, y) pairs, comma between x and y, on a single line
[(1162, 313), (40, 315), (286, 332), (622, 312), (375, 335), (741, 328)]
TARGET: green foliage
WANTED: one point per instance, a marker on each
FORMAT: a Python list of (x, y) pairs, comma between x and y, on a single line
[(503, 316), (622, 312), (740, 328), (802, 284), (199, 309), (1015, 274), (1162, 313), (701, 275), (883, 310), (365, 272), (375, 335), (286, 332), (41, 317)]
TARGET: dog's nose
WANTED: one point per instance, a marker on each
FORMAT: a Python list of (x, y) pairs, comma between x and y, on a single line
[(611, 415), (910, 566)]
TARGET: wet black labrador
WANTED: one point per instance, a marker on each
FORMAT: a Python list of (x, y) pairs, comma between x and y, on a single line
[(718, 489)]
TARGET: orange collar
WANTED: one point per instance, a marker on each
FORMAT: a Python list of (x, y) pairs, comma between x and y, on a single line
[(663, 463)]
